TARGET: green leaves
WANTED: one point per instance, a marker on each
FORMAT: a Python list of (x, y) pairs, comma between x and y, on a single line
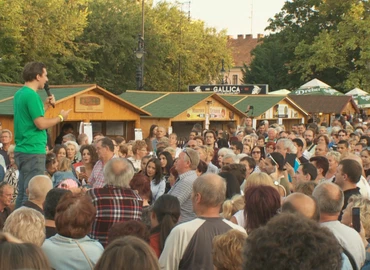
[(328, 40), (84, 41)]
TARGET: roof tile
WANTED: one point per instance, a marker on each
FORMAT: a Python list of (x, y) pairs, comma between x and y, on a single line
[(323, 104), (260, 103), (6, 107), (174, 104), (141, 98)]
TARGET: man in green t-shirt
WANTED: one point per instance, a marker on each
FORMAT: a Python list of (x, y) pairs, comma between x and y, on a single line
[(30, 126)]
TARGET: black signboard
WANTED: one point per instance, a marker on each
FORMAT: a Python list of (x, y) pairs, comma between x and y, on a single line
[(246, 89)]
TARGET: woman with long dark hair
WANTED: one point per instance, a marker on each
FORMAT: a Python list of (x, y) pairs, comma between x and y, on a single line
[(152, 135), (258, 153), (273, 165), (165, 214), (89, 158), (157, 182), (166, 163)]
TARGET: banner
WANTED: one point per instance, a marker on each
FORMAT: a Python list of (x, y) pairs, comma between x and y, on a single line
[(244, 89)]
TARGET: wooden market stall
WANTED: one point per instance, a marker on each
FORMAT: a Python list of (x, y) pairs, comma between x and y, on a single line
[(275, 109), (180, 111), (325, 108)]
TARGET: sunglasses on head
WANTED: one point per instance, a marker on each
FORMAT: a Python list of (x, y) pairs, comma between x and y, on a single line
[(186, 152)]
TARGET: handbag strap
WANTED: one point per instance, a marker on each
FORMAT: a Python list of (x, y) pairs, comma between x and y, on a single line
[(83, 251)]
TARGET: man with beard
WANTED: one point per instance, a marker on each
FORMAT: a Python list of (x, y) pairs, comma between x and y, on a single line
[(210, 141), (309, 136)]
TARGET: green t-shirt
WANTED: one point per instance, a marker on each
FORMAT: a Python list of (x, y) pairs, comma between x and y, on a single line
[(27, 107)]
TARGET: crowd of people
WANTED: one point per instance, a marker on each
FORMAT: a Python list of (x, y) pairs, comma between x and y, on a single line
[(239, 198), (284, 202)]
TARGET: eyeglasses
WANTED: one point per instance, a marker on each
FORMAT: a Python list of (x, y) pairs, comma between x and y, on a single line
[(191, 161), (256, 152)]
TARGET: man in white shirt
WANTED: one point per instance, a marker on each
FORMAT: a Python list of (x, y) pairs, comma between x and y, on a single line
[(189, 245), (330, 199)]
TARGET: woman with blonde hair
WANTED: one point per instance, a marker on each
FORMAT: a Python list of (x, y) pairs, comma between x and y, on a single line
[(333, 158), (64, 172), (231, 206), (206, 154), (248, 139), (26, 224), (12, 172), (254, 180), (227, 250), (364, 205), (72, 151), (259, 179), (139, 150)]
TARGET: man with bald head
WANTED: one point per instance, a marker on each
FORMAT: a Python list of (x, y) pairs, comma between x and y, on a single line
[(37, 189), (303, 204), (330, 199), (161, 132), (189, 245)]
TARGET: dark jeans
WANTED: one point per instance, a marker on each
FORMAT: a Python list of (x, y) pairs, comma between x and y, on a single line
[(29, 165)]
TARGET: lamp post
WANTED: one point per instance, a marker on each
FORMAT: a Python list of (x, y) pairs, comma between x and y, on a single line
[(223, 71), (140, 52), (140, 69)]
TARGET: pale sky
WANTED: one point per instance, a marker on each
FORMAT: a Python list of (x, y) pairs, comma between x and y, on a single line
[(233, 15)]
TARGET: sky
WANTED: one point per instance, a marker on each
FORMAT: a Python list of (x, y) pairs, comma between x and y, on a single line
[(233, 15)]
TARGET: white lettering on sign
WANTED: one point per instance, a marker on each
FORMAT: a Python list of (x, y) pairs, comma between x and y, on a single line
[(226, 89)]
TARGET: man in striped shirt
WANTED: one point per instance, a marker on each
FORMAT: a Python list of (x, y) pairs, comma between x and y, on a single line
[(186, 165)]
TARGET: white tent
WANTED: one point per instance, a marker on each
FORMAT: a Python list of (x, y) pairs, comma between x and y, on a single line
[(316, 87), (315, 83), (356, 92), (282, 92)]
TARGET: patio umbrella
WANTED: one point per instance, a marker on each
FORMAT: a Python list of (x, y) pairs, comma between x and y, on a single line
[(363, 101), (282, 92), (316, 87), (356, 92)]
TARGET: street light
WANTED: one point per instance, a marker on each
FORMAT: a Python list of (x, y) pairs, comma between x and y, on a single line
[(140, 69), (140, 52), (223, 71)]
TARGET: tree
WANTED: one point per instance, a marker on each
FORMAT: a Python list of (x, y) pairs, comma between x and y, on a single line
[(316, 39), (94, 42), (343, 52), (178, 51), (198, 49), (298, 20), (43, 30)]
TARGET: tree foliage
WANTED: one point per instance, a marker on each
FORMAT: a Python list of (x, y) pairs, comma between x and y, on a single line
[(43, 30), (84, 41), (343, 51), (327, 40)]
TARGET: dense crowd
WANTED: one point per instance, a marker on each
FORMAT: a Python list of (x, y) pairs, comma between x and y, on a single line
[(239, 198)]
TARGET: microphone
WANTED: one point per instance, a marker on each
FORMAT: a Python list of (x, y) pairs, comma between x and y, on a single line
[(47, 90)]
